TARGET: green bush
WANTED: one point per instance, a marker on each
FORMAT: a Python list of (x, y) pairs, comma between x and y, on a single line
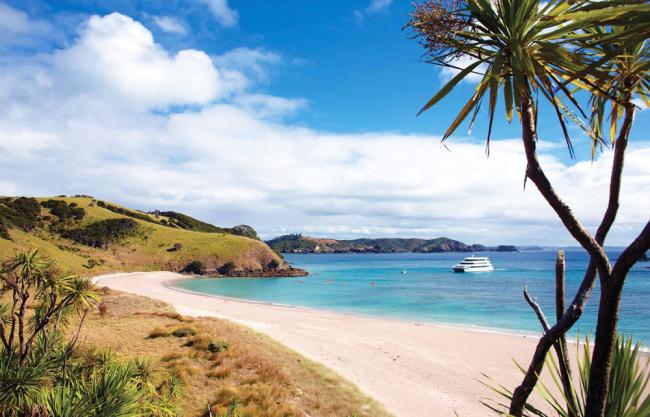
[(63, 210), (628, 394), (21, 212), (194, 267), (227, 268), (219, 346), (244, 230), (184, 332), (103, 233), (126, 212), (274, 264)]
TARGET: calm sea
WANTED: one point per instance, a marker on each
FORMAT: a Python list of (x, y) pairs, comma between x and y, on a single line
[(373, 284)]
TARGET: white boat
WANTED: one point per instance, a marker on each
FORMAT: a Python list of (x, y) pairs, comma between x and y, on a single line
[(474, 264)]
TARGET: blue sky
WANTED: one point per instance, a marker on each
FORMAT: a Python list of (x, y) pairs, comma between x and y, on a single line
[(305, 79)]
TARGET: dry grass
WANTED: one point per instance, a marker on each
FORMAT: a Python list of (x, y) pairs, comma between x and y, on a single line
[(222, 362)]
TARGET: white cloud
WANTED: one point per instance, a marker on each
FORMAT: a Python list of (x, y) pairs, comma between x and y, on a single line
[(222, 12), (231, 158), (375, 6), (117, 57), (17, 28), (268, 106), (253, 62), (462, 62), (170, 24), (14, 20), (640, 103)]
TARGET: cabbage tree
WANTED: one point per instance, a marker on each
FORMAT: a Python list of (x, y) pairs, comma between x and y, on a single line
[(525, 50)]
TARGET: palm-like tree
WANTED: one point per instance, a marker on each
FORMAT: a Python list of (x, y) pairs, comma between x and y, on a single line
[(628, 69), (525, 49)]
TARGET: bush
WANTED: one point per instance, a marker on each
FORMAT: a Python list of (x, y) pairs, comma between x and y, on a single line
[(20, 212), (219, 346), (126, 212), (175, 248), (92, 262), (183, 332), (158, 332), (227, 268), (274, 264), (194, 267), (63, 210), (103, 233), (244, 230)]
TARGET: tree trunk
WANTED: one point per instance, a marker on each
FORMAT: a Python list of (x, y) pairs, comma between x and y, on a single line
[(608, 310), (606, 335), (561, 347)]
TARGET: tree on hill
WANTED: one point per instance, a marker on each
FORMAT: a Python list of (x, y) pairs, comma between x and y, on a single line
[(529, 49)]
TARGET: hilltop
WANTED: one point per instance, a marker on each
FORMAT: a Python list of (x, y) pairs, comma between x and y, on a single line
[(91, 236), (297, 243)]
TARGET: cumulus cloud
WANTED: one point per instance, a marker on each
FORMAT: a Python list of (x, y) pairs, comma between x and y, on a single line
[(233, 159), (222, 12), (375, 6), (116, 56), (170, 24)]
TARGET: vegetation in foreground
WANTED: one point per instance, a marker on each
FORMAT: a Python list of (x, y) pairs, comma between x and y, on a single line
[(89, 236), (570, 55), (221, 363), (45, 374), (628, 396), (70, 350)]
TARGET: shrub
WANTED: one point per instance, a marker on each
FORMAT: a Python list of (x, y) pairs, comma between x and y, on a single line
[(183, 332), (194, 267), (158, 332), (227, 268), (103, 233), (92, 262), (126, 212), (175, 248), (244, 230), (20, 212), (63, 210), (219, 346), (274, 264)]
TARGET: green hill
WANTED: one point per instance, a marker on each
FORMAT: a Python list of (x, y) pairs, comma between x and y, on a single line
[(297, 243), (90, 236)]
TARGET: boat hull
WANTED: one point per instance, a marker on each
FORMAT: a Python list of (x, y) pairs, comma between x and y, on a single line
[(478, 269)]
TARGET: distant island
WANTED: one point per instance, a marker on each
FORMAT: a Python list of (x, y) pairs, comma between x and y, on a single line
[(297, 243)]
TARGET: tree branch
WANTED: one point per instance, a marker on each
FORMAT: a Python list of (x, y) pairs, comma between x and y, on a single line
[(537, 309), (631, 255)]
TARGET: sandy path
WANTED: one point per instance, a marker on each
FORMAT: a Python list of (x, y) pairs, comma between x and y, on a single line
[(415, 370)]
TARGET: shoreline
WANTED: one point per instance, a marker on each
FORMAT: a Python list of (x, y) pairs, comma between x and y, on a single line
[(450, 326), (415, 369)]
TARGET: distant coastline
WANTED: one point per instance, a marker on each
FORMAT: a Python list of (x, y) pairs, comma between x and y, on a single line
[(297, 243)]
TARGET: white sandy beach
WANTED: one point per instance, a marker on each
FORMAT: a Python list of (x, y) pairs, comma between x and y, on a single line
[(415, 370)]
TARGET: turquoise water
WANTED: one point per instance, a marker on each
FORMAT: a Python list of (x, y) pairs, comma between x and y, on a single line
[(430, 292)]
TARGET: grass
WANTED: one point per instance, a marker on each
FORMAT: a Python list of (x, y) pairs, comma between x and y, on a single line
[(147, 251), (265, 377)]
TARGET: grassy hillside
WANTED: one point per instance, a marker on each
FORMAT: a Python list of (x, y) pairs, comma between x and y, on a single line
[(150, 245), (267, 379)]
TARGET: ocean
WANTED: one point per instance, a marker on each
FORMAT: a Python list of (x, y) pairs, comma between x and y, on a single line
[(428, 291)]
